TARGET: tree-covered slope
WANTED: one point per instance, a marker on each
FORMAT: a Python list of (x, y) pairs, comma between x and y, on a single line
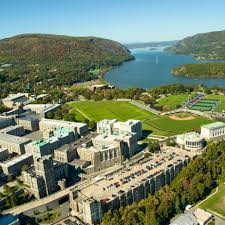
[(211, 69), (38, 59), (203, 46)]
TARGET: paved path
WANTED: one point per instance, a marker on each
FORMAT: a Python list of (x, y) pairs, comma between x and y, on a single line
[(83, 114), (147, 108), (218, 216), (208, 197)]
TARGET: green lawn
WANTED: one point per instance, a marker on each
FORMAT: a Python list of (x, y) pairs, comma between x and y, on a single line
[(172, 101), (123, 111), (216, 203), (221, 98)]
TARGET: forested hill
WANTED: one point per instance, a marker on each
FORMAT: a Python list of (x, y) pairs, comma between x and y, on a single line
[(37, 58), (211, 69), (203, 46)]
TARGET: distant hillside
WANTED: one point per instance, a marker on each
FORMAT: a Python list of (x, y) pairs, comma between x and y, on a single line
[(150, 44), (202, 46), (211, 69), (42, 59)]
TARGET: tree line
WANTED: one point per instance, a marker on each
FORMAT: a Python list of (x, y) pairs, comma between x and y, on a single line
[(193, 183)]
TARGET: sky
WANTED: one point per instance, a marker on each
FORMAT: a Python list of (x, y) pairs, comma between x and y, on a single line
[(125, 21)]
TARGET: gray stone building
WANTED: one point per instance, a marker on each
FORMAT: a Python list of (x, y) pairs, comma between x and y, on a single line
[(128, 185), (46, 177), (13, 166), (13, 143)]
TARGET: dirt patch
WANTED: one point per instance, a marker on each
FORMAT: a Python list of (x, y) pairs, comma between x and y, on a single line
[(175, 117)]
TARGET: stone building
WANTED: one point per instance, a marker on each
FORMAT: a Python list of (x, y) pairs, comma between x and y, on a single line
[(128, 185), (13, 143), (106, 151), (213, 131), (190, 141), (79, 128), (13, 130), (46, 176), (4, 153), (114, 127), (55, 139), (15, 99), (6, 121), (13, 166), (66, 154)]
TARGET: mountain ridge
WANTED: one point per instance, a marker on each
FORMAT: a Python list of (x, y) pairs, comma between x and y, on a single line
[(204, 46), (38, 59)]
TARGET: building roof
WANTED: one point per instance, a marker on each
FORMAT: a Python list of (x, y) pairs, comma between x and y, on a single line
[(134, 174), (41, 107), (59, 133), (15, 160), (191, 136), (202, 216), (62, 123), (185, 219), (214, 125), (34, 136), (14, 97), (13, 139), (10, 128)]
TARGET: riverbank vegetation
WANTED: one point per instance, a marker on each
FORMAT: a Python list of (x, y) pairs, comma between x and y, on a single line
[(194, 183), (211, 69)]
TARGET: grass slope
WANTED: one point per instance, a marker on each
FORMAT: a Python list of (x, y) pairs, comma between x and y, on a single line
[(172, 101), (123, 111), (216, 203)]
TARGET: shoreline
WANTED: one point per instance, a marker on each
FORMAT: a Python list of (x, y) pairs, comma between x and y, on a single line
[(102, 76)]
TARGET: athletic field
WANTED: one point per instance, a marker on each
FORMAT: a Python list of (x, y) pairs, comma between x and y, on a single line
[(206, 105), (157, 125)]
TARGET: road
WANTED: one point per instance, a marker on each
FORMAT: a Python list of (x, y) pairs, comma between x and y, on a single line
[(60, 194), (30, 205), (147, 108)]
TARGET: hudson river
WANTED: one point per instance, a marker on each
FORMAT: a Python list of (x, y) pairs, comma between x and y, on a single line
[(152, 69)]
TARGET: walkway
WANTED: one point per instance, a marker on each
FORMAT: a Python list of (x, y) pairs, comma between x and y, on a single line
[(147, 108), (208, 197)]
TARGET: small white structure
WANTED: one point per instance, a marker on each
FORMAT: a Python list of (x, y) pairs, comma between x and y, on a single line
[(190, 141), (202, 216), (213, 131)]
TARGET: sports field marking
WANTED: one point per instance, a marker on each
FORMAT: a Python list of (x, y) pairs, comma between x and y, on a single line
[(174, 117)]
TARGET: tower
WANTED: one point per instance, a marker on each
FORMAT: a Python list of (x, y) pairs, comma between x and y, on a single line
[(44, 167)]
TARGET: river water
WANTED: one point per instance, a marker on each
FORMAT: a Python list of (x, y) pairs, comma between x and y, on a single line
[(151, 68)]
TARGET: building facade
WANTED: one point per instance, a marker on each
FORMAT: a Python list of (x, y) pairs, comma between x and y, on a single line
[(127, 186), (213, 131), (13, 143), (190, 141), (113, 127), (13, 166), (79, 128), (54, 140)]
